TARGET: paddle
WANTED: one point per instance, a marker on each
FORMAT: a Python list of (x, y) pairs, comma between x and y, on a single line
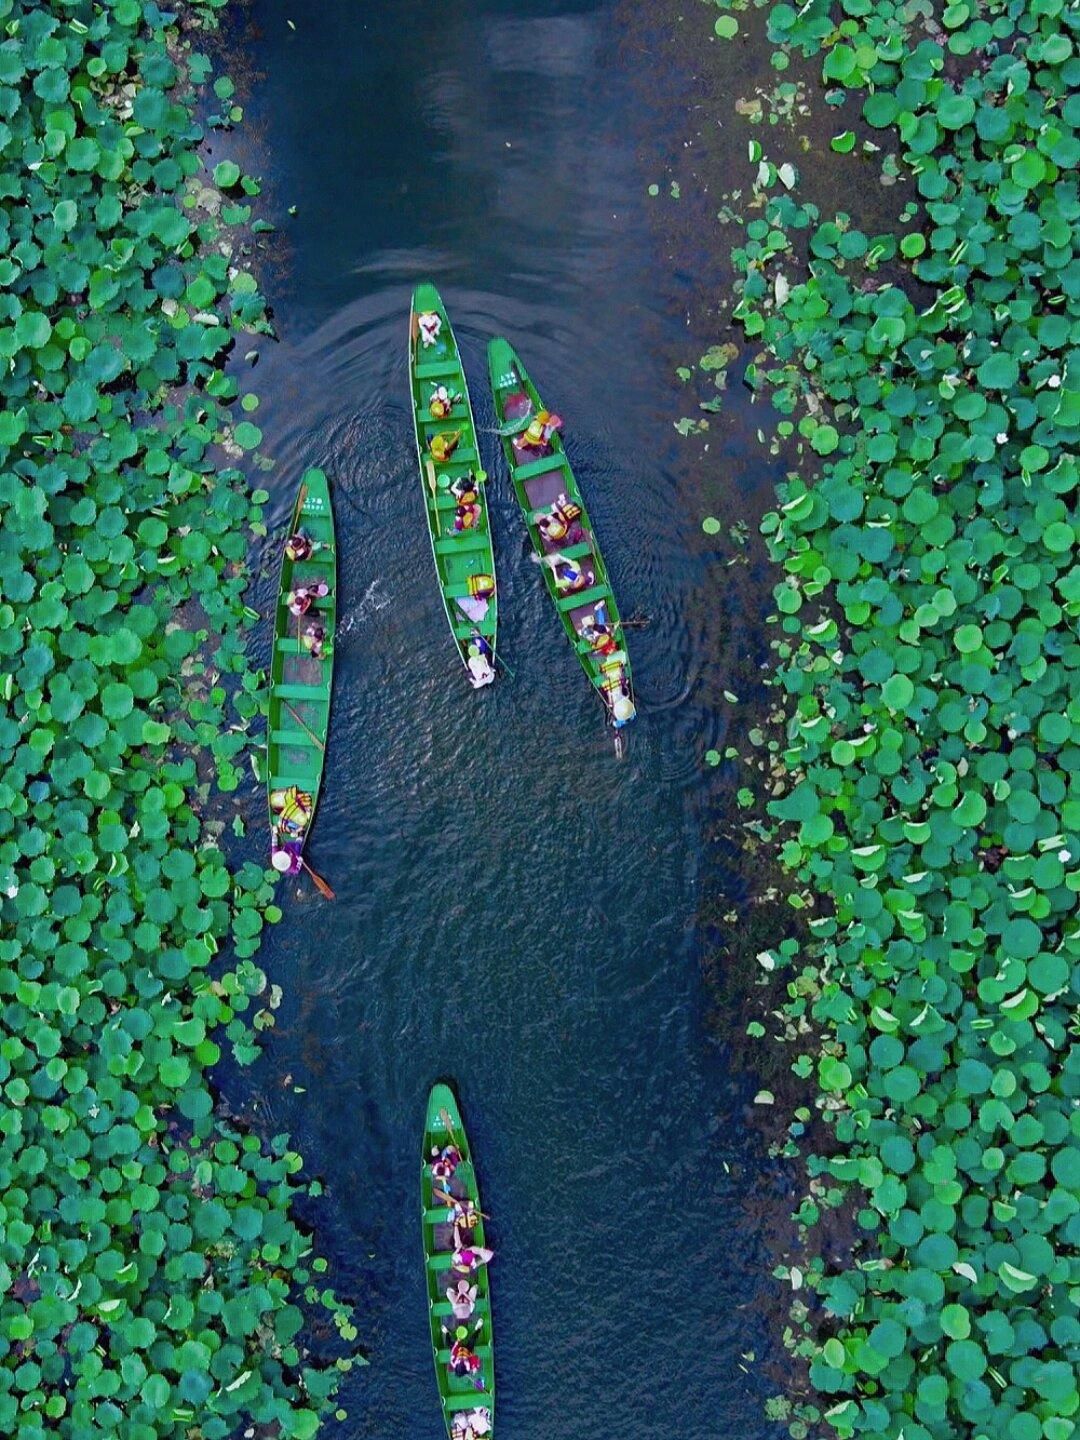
[(507, 428), (444, 1116), (310, 733), (319, 883), (500, 661), (452, 1199)]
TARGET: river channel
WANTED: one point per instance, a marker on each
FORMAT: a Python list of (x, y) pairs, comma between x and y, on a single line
[(518, 911)]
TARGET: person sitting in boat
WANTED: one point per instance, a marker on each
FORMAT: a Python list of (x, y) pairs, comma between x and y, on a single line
[(300, 599), (466, 517), (444, 1161), (615, 687), (470, 1424), (313, 639), (463, 1359), (462, 1298), (463, 1212), (465, 489), (292, 810), (299, 546), (599, 632), (442, 402), (600, 637), (443, 444), (555, 524), (570, 577), (285, 856), (467, 1258), (481, 588), (535, 439), (428, 326), (478, 658)]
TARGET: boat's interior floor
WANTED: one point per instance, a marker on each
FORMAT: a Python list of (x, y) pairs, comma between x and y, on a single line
[(516, 405), (543, 490), (460, 556)]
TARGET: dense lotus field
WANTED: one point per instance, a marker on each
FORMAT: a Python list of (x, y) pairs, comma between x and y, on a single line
[(154, 1278), (929, 655)]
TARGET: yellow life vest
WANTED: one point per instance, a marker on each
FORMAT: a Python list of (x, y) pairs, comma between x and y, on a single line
[(480, 584), (293, 807), (612, 676), (444, 444)]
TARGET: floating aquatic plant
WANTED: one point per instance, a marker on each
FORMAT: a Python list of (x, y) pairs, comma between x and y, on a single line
[(152, 1270), (929, 647)]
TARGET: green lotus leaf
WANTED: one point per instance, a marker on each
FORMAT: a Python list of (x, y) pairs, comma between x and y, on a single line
[(834, 1354), (833, 1074), (247, 435), (1015, 1279), (1059, 537), (955, 111), (1000, 372), (226, 174), (825, 439), (82, 153), (881, 109)]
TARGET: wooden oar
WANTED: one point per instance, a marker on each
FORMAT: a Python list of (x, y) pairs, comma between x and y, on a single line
[(456, 1199), (444, 1116), (310, 733), (500, 661), (317, 880), (430, 467)]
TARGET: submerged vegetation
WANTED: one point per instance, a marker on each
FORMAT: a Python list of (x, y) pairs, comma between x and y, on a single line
[(153, 1271), (929, 653)]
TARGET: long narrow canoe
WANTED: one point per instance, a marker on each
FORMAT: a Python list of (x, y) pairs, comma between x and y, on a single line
[(464, 559), (443, 1127), (542, 478), (299, 712)]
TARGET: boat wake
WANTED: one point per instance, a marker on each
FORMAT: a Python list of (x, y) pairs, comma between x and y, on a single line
[(372, 601)]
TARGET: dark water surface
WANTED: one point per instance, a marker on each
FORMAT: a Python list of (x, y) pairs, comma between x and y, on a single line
[(517, 911)]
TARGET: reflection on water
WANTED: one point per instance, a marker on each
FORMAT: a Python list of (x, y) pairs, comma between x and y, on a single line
[(517, 910)]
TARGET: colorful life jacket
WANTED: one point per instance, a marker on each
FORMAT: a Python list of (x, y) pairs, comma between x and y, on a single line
[(294, 811), (570, 576), (443, 444), (612, 678), (480, 585), (460, 1354), (441, 403)]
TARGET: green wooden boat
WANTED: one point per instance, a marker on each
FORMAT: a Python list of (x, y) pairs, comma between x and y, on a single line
[(460, 532), (572, 566), (300, 681), (458, 1395)]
